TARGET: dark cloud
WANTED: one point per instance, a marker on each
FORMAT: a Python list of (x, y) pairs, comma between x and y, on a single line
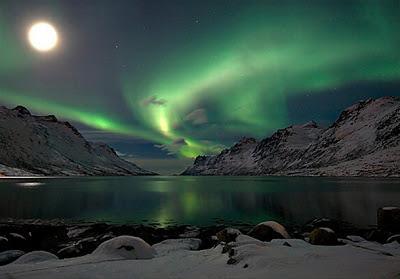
[(197, 117), (174, 147)]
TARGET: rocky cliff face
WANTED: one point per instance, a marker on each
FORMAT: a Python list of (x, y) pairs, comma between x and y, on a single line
[(364, 141), (42, 145)]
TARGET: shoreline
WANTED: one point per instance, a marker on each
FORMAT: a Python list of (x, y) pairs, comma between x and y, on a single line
[(80, 237), (60, 249)]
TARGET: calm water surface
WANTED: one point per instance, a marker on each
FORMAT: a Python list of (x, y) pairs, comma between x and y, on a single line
[(197, 200)]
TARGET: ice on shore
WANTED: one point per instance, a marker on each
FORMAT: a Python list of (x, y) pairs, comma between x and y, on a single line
[(286, 258)]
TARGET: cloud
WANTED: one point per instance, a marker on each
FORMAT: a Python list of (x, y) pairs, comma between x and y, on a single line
[(153, 100), (197, 117), (174, 147)]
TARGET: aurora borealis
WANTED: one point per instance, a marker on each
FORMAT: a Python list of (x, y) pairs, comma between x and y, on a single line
[(190, 77)]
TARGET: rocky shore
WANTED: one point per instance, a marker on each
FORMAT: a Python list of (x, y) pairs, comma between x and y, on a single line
[(58, 249), (73, 239)]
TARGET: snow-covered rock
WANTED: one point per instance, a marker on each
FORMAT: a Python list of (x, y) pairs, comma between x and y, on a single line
[(363, 141), (228, 235), (69, 251), (42, 145), (266, 231), (245, 239), (77, 231), (16, 237), (393, 238), (10, 256), (174, 245), (125, 247), (35, 257), (355, 238)]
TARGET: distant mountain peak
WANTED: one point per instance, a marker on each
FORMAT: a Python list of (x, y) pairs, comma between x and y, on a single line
[(22, 110), (42, 145)]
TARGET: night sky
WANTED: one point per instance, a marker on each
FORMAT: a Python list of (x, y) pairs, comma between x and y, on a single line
[(165, 81)]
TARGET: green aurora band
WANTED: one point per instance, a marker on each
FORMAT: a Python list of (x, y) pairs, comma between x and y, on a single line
[(241, 74)]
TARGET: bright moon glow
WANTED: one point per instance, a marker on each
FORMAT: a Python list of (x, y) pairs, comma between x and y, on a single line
[(43, 36)]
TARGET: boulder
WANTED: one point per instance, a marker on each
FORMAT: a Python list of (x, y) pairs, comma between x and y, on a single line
[(393, 238), (17, 236), (190, 232), (322, 223), (17, 241), (269, 230), (9, 256), (355, 238), (3, 243), (35, 257), (323, 236), (77, 231), (125, 247), (228, 235), (378, 235), (389, 218), (87, 245), (69, 252)]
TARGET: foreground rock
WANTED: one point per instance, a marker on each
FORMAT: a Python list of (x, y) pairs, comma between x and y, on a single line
[(228, 235), (4, 244), (389, 218), (269, 230), (35, 257), (7, 257), (323, 236), (363, 141), (42, 145), (125, 247), (70, 252)]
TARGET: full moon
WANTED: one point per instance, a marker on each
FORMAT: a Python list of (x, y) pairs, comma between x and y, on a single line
[(43, 36)]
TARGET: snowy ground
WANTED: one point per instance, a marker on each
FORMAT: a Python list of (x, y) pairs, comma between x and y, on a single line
[(253, 259)]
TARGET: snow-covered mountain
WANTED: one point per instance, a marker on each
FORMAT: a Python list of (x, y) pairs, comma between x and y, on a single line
[(42, 145), (363, 141)]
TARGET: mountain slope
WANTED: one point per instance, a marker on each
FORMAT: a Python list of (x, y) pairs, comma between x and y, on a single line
[(364, 141), (45, 146)]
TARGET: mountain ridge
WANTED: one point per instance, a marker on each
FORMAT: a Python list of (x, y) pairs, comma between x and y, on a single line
[(43, 145), (363, 141)]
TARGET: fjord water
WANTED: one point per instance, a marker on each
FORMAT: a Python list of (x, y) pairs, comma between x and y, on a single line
[(197, 200)]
